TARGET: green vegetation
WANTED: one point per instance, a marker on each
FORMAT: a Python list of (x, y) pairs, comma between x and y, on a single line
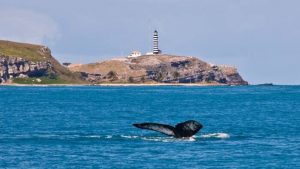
[(176, 74), (130, 79), (39, 80), (63, 73), (143, 79), (112, 75), (26, 51), (159, 76)]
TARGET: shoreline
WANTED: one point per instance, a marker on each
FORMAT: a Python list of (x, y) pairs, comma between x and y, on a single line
[(134, 85), (115, 84)]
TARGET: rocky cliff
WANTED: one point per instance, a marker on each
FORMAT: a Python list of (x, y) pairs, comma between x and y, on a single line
[(20, 62), (20, 68), (159, 69)]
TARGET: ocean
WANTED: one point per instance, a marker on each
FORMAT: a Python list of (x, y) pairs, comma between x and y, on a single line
[(91, 127)]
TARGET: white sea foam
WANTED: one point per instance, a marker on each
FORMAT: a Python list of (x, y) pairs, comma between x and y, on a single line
[(108, 136), (216, 135), (162, 139), (45, 135), (93, 136), (191, 139), (124, 136), (158, 139), (172, 139), (169, 139)]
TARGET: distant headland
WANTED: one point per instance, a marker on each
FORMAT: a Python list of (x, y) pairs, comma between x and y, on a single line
[(22, 63)]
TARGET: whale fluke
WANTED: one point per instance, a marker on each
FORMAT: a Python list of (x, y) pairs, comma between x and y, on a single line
[(185, 129), (162, 128)]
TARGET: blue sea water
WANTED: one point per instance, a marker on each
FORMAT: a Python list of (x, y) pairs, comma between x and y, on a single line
[(91, 127)]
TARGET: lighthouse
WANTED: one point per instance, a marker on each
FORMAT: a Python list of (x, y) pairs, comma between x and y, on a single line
[(155, 43)]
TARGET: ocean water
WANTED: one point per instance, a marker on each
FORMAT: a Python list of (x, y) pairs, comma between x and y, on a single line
[(91, 127)]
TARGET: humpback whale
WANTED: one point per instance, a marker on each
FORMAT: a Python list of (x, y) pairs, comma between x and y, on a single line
[(184, 129)]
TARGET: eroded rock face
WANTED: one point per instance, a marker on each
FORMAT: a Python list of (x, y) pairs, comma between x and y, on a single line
[(18, 67), (162, 69), (91, 77), (193, 70)]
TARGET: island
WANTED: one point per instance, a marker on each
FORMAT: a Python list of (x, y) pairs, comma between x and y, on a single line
[(22, 63)]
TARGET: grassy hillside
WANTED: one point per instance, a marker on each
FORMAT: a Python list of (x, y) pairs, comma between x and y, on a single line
[(26, 51), (38, 53)]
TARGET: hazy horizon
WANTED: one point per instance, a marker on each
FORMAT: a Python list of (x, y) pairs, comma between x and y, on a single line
[(259, 37)]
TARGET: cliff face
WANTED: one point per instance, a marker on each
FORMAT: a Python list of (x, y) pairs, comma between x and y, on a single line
[(23, 61), (19, 68), (159, 68)]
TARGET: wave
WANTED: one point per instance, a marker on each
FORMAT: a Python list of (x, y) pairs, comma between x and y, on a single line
[(158, 139), (172, 139), (129, 137), (118, 137), (215, 135), (93, 136)]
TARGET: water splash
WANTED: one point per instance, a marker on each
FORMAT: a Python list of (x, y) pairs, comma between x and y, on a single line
[(215, 135), (108, 136), (93, 136), (129, 137)]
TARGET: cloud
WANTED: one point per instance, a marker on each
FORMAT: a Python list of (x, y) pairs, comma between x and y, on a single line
[(27, 26)]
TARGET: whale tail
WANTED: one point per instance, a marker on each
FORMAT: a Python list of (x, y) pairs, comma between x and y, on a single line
[(162, 128), (185, 129)]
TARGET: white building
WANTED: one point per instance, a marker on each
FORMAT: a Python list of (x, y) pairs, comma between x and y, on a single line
[(149, 53), (135, 54)]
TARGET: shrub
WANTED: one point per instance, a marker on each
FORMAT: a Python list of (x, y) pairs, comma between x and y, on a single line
[(130, 79), (112, 75)]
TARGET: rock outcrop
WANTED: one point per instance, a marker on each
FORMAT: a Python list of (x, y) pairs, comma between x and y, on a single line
[(159, 69), (18, 67), (22, 60)]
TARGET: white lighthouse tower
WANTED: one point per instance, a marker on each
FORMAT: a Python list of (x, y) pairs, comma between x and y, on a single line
[(155, 43)]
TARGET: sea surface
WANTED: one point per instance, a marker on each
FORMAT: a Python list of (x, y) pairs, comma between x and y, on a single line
[(91, 127)]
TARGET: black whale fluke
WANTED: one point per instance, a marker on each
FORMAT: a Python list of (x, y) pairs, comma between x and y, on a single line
[(185, 129)]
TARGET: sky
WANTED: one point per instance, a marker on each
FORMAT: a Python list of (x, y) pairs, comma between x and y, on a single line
[(261, 38)]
